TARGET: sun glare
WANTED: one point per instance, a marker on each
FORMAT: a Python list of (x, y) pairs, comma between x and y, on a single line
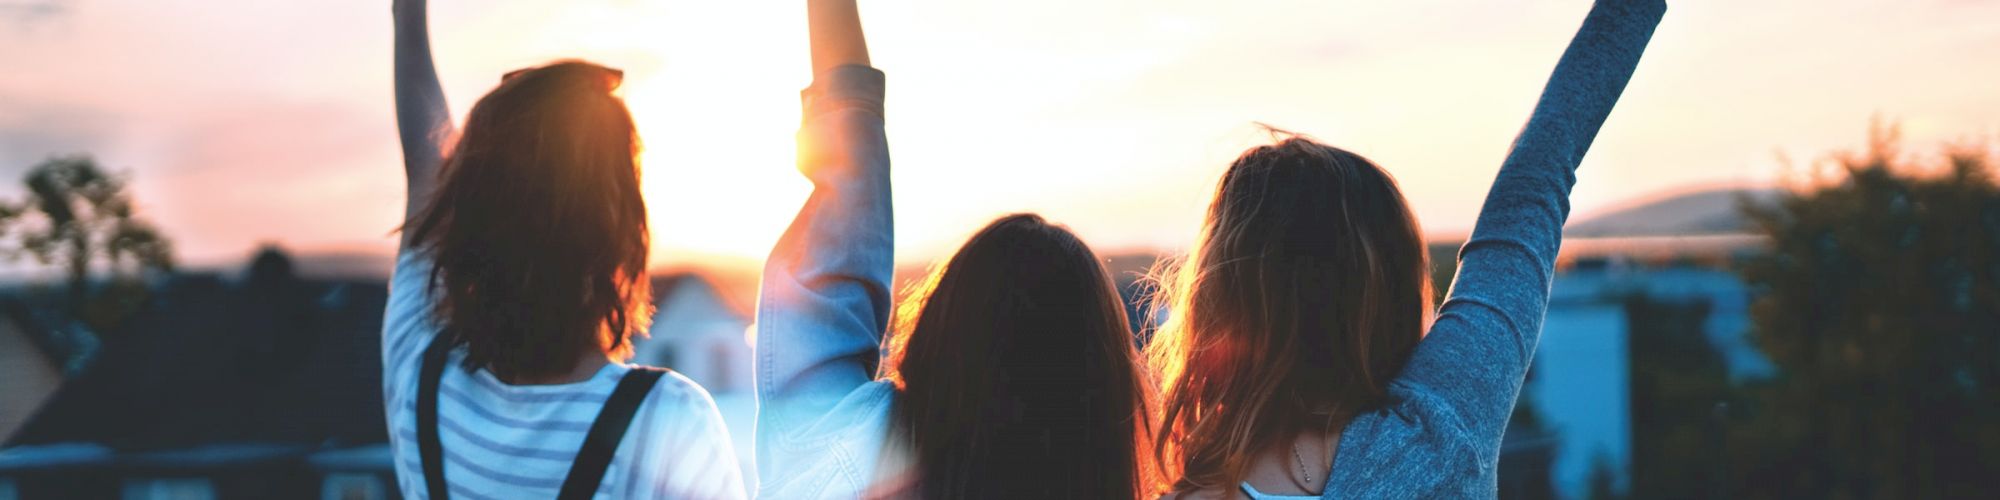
[(713, 87), (717, 117), (718, 164)]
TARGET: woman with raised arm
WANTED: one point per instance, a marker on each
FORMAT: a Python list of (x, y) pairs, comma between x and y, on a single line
[(1011, 371), (1300, 360), (520, 279)]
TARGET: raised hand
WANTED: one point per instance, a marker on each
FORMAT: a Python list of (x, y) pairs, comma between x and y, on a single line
[(835, 27), (422, 118)]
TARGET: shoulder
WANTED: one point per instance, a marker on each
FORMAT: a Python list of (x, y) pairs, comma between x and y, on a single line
[(410, 293), (413, 266), (407, 322), (865, 411), (1414, 438), (679, 411), (1417, 415), (675, 392), (860, 420), (1202, 494)]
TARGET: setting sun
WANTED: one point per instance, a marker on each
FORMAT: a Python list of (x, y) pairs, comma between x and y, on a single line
[(1114, 116), (713, 88)]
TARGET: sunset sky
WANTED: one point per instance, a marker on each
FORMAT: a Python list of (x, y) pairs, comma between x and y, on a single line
[(247, 122)]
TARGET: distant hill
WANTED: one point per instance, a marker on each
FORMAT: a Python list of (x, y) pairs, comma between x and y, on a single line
[(1693, 213)]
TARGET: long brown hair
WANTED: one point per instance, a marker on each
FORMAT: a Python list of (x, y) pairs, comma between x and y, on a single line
[(1019, 374), (1304, 295), (537, 228)]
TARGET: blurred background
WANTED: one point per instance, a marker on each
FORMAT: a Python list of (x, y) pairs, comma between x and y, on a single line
[(1781, 277)]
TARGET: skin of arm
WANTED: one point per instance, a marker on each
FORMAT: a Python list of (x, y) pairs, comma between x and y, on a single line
[(835, 27), (422, 118)]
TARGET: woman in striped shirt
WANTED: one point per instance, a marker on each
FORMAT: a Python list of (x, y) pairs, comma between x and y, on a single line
[(520, 278)]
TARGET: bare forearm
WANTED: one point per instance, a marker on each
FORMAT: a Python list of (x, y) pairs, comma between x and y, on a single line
[(836, 34), (422, 118)]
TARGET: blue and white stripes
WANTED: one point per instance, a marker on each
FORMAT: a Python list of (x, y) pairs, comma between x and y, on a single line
[(505, 441)]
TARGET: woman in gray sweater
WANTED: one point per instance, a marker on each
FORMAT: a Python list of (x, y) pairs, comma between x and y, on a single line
[(1302, 359)]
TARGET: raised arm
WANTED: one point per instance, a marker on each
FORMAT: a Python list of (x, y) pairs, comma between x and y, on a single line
[(422, 119), (1476, 355), (825, 297), (835, 27)]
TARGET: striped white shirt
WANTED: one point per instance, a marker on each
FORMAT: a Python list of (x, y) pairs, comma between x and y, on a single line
[(517, 441)]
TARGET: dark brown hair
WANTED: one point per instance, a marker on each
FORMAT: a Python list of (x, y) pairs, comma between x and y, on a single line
[(1019, 374), (537, 227), (1304, 295)]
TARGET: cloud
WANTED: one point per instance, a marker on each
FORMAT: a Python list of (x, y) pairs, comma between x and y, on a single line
[(276, 170), (31, 132), (26, 14)]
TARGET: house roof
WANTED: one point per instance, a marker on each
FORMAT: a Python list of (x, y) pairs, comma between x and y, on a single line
[(205, 361), (735, 289)]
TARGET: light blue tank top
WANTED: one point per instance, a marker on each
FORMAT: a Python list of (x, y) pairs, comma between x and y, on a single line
[(1259, 495)]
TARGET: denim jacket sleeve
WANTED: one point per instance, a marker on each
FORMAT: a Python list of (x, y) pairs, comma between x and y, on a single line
[(825, 297)]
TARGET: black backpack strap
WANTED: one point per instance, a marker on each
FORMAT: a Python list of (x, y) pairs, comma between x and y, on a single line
[(428, 445), (598, 447)]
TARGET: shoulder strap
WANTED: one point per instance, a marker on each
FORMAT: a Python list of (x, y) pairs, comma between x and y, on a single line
[(428, 445), (587, 472)]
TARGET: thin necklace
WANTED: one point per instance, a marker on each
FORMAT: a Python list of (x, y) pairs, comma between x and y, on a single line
[(1302, 462), (1300, 457)]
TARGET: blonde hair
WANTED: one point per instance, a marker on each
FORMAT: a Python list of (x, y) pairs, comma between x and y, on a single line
[(1305, 293)]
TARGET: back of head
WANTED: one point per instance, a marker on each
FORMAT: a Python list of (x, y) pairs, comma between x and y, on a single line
[(537, 228), (1304, 295), (1019, 374)]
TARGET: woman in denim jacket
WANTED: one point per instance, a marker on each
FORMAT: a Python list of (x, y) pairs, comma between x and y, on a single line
[(1010, 372)]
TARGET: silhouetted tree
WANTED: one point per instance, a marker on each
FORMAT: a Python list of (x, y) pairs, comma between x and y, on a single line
[(1444, 268), (1879, 301), (1528, 452), (278, 306), (1603, 482), (1678, 379), (77, 214)]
